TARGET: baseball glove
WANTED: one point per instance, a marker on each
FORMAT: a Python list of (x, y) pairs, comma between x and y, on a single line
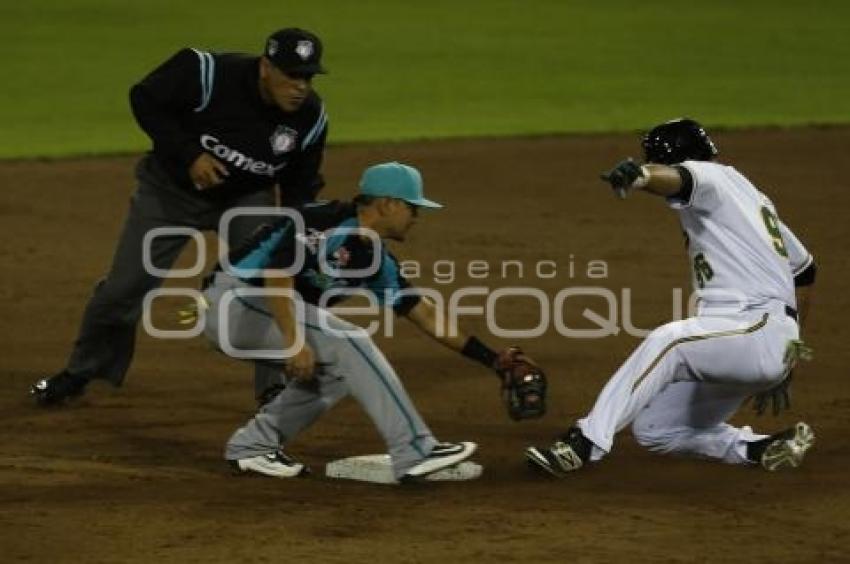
[(523, 384)]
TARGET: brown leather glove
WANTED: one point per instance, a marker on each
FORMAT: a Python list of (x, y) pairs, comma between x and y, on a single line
[(523, 384)]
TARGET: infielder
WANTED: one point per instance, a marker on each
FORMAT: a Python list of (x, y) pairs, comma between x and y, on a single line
[(682, 384), (257, 311), (226, 129)]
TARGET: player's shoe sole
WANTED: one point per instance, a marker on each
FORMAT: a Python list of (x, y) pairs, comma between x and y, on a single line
[(567, 454), (443, 455), (788, 449), (558, 460), (275, 465)]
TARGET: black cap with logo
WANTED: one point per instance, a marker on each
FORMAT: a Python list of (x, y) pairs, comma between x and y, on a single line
[(295, 50)]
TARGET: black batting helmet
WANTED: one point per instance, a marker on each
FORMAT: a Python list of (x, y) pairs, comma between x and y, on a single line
[(676, 141)]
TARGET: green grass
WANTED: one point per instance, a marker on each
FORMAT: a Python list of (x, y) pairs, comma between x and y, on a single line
[(438, 68)]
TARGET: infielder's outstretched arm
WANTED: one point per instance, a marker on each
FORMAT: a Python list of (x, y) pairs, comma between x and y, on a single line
[(434, 324), (523, 382)]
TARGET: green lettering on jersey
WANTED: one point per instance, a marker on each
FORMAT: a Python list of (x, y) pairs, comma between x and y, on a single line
[(772, 225), (702, 270)]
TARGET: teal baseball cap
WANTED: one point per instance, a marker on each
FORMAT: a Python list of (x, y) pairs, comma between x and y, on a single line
[(395, 180)]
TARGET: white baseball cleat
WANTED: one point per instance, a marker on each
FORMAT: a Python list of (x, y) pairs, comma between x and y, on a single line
[(557, 460), (443, 455), (276, 464), (788, 448)]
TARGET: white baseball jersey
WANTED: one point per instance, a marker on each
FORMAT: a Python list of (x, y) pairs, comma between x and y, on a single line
[(740, 252)]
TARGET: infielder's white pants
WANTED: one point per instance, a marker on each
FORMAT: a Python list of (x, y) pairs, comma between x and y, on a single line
[(684, 381)]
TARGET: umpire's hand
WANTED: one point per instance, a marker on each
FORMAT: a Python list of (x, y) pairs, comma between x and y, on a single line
[(207, 171)]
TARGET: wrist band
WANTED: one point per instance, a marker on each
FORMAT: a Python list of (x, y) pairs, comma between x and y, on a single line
[(643, 179), (476, 350)]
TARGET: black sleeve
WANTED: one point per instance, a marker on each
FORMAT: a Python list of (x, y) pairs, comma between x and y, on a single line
[(807, 277), (271, 245), (300, 181), (390, 278), (284, 251), (165, 95), (685, 193)]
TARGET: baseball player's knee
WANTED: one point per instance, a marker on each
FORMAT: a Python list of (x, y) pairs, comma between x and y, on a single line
[(654, 434), (659, 340), (647, 433), (333, 390), (661, 439), (337, 328), (350, 330), (667, 332)]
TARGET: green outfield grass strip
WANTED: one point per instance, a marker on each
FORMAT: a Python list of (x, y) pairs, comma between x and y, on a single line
[(483, 138), (429, 70)]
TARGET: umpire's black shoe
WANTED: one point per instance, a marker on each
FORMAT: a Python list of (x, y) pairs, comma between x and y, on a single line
[(567, 454), (56, 389)]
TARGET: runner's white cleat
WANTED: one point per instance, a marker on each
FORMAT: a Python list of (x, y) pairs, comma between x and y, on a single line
[(788, 448)]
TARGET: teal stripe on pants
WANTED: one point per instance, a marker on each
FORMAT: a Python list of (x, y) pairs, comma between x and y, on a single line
[(392, 394), (374, 368)]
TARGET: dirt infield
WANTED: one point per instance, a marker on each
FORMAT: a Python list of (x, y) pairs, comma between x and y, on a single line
[(135, 474)]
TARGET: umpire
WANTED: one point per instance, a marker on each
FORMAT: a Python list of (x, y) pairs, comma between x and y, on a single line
[(226, 130)]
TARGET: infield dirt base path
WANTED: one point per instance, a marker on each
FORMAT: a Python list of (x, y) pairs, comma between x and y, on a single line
[(136, 475)]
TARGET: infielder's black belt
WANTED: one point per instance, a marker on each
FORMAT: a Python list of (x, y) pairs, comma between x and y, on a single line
[(791, 312)]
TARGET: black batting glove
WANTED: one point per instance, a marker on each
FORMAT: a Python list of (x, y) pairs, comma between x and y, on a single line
[(623, 176)]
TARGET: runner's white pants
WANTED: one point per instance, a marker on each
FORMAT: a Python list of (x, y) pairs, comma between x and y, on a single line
[(681, 385)]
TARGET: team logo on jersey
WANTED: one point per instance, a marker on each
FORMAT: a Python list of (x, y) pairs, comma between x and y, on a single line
[(239, 160), (304, 49), (342, 256), (312, 239), (283, 139)]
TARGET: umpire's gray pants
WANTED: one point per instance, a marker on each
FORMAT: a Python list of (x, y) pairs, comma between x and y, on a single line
[(348, 362), (106, 340)]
